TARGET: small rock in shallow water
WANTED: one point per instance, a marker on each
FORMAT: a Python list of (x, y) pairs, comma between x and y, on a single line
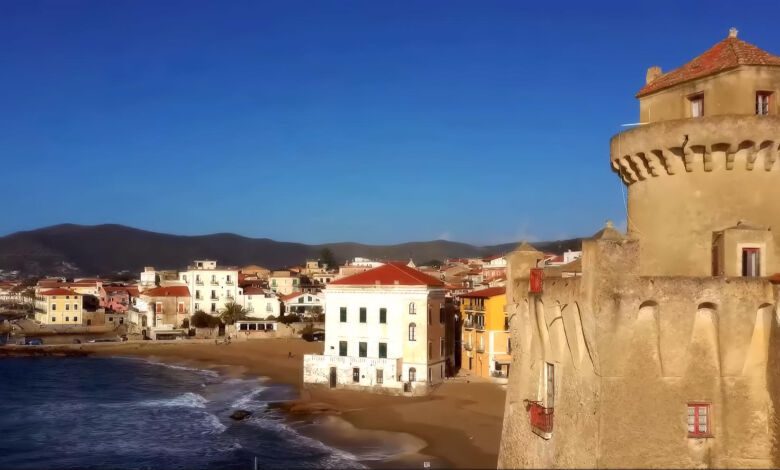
[(238, 415)]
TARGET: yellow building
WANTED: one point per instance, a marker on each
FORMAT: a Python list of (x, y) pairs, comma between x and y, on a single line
[(485, 337), (59, 307)]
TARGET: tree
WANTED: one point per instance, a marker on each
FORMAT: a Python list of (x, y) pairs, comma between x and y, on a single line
[(433, 263), (328, 258), (232, 313), (201, 319)]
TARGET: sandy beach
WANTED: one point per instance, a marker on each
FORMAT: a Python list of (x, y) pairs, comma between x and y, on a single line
[(460, 423)]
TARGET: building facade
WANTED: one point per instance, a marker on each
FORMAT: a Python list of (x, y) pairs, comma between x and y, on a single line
[(260, 303), (211, 286), (663, 352), (485, 337), (384, 332), (59, 307), (284, 282)]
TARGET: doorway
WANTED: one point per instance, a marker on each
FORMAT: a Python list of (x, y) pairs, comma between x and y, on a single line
[(332, 377)]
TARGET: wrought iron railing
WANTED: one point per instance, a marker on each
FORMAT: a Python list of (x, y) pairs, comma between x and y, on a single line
[(541, 417)]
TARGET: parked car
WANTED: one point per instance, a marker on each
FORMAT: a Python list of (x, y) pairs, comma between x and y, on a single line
[(316, 336), (33, 342)]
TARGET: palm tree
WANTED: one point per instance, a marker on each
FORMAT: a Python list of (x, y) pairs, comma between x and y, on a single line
[(232, 313)]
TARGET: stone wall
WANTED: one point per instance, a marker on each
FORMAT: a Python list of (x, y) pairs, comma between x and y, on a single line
[(630, 352)]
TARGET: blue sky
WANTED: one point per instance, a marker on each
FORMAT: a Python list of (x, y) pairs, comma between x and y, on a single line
[(321, 121)]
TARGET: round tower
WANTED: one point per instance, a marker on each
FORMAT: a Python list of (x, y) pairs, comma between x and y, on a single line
[(701, 170)]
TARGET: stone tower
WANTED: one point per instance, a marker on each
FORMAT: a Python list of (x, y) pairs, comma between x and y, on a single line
[(665, 350), (704, 161)]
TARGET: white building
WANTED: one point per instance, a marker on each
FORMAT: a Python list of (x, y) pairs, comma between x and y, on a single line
[(211, 286), (303, 303), (259, 303), (383, 332)]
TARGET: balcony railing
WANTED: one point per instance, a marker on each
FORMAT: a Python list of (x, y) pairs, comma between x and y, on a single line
[(467, 347), (214, 282), (198, 282), (480, 348), (214, 297), (475, 308), (229, 282), (479, 326), (541, 417), (468, 325)]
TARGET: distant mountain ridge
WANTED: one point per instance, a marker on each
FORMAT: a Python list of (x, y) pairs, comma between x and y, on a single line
[(110, 248)]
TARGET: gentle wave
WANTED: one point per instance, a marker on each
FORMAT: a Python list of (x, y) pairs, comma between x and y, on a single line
[(336, 458), (187, 400)]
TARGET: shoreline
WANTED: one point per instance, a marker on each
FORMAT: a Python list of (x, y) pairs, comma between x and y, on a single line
[(459, 424)]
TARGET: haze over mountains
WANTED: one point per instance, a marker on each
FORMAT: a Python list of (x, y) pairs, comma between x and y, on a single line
[(70, 249)]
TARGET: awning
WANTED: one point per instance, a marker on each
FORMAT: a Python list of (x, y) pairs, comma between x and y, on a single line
[(504, 359)]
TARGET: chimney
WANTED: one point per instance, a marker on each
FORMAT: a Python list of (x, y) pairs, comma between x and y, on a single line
[(653, 73), (733, 32)]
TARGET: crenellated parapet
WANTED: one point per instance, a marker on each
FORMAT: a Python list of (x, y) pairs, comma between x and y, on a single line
[(707, 144)]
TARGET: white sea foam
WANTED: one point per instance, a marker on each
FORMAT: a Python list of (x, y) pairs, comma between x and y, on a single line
[(208, 372), (337, 458), (214, 425), (186, 400), (247, 401)]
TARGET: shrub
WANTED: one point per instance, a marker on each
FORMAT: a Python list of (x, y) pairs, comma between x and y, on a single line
[(201, 319)]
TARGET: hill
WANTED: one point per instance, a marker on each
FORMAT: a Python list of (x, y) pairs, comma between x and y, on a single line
[(70, 249)]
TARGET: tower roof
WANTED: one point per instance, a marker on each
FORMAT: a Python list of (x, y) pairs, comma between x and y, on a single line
[(728, 54), (525, 246)]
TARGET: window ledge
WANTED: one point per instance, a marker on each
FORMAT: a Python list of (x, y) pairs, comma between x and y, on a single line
[(700, 436)]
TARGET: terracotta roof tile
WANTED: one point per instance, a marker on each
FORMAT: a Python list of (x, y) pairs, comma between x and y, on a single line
[(59, 292), (727, 54), (485, 293), (168, 291), (388, 275)]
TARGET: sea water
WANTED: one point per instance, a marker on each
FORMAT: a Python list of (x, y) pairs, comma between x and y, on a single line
[(62, 413)]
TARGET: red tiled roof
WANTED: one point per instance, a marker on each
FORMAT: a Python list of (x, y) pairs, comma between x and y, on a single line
[(485, 293), (59, 292), (168, 291), (389, 274), (727, 54), (292, 296), (253, 290)]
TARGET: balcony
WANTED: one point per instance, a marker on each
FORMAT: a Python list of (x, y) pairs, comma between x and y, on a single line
[(481, 348), (467, 347), (229, 282), (541, 417), (474, 308), (468, 324), (214, 297), (214, 282), (479, 326), (198, 282)]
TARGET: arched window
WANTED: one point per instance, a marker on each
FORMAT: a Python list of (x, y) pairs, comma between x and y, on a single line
[(412, 328), (412, 308), (412, 374)]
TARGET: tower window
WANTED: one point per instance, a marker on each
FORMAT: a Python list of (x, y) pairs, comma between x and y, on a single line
[(699, 420), (697, 105), (762, 102), (751, 262)]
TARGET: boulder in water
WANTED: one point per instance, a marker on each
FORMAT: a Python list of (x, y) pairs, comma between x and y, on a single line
[(239, 415)]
